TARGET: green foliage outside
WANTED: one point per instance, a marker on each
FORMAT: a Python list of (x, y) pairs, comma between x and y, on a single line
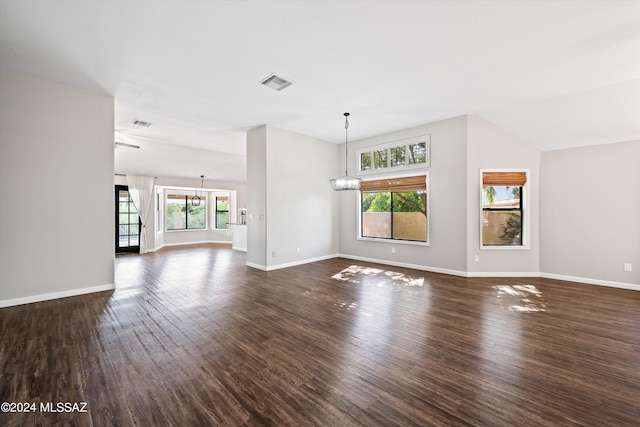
[(512, 230), (410, 201), (191, 217), (221, 219)]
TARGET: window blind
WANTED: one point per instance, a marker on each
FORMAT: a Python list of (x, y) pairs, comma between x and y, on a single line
[(398, 185), (504, 179)]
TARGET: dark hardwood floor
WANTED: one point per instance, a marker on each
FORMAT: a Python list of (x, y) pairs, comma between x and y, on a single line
[(191, 336)]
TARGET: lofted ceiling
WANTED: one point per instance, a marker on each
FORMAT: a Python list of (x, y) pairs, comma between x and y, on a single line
[(555, 74)]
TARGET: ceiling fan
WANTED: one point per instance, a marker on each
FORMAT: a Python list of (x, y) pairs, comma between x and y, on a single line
[(119, 142), (124, 144)]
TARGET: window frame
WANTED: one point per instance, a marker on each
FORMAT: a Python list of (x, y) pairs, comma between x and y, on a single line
[(387, 147), (524, 210), (391, 240), (188, 197), (216, 211)]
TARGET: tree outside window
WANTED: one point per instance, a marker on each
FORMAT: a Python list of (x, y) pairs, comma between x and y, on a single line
[(502, 208), (395, 209), (182, 214), (222, 212)]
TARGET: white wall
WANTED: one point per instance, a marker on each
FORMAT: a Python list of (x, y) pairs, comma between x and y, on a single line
[(257, 197), (590, 213), (292, 210), (302, 209), (448, 198), (56, 190), (489, 147)]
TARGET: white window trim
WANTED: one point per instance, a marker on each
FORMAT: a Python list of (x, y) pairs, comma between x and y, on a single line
[(391, 169), (526, 237), (392, 241), (189, 193), (214, 195)]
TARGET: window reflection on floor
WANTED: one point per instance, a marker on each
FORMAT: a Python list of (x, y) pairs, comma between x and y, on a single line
[(356, 274), (523, 298)]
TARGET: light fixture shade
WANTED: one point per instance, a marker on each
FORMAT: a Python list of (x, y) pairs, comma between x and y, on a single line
[(346, 183)]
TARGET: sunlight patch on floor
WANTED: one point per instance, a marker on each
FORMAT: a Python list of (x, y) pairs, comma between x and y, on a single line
[(351, 306), (356, 274), (522, 298)]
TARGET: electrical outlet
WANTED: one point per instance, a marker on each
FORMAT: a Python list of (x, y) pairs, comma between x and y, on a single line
[(273, 254), (298, 250), (476, 258), (628, 266), (393, 250)]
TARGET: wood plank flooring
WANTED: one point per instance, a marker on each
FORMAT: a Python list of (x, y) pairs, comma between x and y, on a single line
[(191, 336)]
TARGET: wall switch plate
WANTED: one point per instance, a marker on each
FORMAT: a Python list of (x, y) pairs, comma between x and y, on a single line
[(628, 266)]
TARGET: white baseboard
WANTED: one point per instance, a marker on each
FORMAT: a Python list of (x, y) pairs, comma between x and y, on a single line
[(502, 274), (598, 282), (202, 242), (55, 295), (290, 264), (407, 265), (300, 262), (459, 273), (256, 266)]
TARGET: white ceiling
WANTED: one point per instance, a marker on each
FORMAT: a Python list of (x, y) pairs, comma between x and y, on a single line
[(556, 74)]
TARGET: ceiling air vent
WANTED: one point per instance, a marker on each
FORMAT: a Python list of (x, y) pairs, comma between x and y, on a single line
[(141, 123), (276, 82)]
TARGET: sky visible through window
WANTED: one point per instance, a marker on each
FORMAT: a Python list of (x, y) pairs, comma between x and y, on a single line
[(502, 193)]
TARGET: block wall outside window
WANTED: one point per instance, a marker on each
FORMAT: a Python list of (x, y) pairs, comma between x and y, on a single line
[(503, 209)]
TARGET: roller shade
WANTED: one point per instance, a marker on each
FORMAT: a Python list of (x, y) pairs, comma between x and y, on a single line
[(398, 185), (504, 179)]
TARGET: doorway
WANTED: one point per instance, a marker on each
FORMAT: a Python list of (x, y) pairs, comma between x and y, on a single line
[(127, 222)]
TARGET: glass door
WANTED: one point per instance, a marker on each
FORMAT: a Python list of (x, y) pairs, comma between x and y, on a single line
[(127, 222)]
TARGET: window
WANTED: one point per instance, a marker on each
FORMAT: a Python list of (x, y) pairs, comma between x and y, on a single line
[(183, 214), (503, 213), (405, 154), (365, 161), (380, 159), (222, 212), (395, 209), (418, 153), (398, 155)]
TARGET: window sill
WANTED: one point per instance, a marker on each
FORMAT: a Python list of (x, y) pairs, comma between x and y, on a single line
[(502, 248), (188, 230), (393, 242)]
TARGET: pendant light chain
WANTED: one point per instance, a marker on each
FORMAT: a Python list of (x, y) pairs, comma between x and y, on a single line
[(195, 200), (346, 143), (346, 182)]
